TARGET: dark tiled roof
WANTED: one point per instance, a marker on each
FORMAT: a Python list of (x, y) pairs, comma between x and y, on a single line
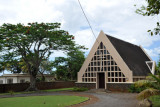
[(132, 55)]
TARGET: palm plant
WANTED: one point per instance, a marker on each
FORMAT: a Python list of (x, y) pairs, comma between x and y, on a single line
[(153, 85), (147, 93), (143, 83)]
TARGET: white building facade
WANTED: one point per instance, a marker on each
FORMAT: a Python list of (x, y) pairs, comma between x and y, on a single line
[(21, 78)]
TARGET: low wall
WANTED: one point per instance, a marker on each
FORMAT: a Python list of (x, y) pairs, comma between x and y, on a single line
[(122, 87), (40, 85), (87, 85)]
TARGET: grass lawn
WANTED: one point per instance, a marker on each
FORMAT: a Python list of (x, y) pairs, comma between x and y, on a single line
[(155, 100), (41, 101), (50, 90), (60, 89)]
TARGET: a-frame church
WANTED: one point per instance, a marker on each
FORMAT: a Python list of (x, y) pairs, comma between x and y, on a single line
[(112, 61)]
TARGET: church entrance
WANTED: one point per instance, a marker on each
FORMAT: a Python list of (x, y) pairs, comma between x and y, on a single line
[(101, 81)]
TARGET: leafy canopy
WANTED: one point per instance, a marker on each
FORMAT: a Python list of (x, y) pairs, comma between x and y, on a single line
[(67, 67), (33, 42), (151, 9)]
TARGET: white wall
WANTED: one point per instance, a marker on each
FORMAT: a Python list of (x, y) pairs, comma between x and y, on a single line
[(17, 79), (3, 79), (14, 79)]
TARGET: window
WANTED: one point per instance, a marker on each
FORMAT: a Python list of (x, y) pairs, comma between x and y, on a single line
[(9, 81), (108, 68), (109, 74), (88, 74), (91, 63), (22, 81), (108, 57), (1, 81), (116, 69), (101, 45), (91, 68), (116, 74), (112, 68), (112, 74)]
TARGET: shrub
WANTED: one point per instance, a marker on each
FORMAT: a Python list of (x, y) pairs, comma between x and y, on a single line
[(143, 83), (134, 89), (80, 89), (140, 85), (147, 93), (11, 92)]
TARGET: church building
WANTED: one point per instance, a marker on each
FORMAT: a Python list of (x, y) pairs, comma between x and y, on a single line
[(114, 61)]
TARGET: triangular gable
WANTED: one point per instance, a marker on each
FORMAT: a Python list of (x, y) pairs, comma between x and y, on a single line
[(102, 38), (151, 66)]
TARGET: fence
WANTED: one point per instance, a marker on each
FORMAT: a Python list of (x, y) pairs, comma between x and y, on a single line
[(17, 87)]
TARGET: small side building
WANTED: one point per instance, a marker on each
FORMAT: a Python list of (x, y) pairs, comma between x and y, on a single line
[(114, 63), (21, 78)]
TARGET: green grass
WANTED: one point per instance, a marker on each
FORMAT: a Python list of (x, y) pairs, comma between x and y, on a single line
[(50, 90), (155, 100), (41, 101), (60, 89), (17, 93)]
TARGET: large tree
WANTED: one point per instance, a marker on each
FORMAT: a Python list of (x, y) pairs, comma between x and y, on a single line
[(67, 67), (151, 9), (33, 43)]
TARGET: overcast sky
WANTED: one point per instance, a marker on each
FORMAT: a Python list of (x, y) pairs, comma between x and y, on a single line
[(115, 17)]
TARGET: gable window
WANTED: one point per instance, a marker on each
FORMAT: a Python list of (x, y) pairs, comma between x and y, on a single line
[(151, 66)]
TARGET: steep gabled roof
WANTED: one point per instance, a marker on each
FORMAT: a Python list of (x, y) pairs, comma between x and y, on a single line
[(132, 55)]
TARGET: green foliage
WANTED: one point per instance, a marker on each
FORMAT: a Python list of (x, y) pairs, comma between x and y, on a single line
[(134, 89), (80, 89), (11, 92), (140, 85), (152, 9), (143, 83), (67, 68), (14, 66), (147, 93), (155, 100), (46, 66)]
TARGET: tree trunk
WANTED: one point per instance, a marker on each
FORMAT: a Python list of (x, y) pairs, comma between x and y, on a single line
[(32, 86)]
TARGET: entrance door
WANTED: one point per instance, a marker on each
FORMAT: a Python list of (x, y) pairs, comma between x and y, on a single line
[(101, 80)]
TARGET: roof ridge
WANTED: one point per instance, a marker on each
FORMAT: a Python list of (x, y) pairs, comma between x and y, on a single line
[(121, 40)]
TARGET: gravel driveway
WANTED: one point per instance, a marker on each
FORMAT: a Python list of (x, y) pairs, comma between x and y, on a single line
[(114, 100)]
